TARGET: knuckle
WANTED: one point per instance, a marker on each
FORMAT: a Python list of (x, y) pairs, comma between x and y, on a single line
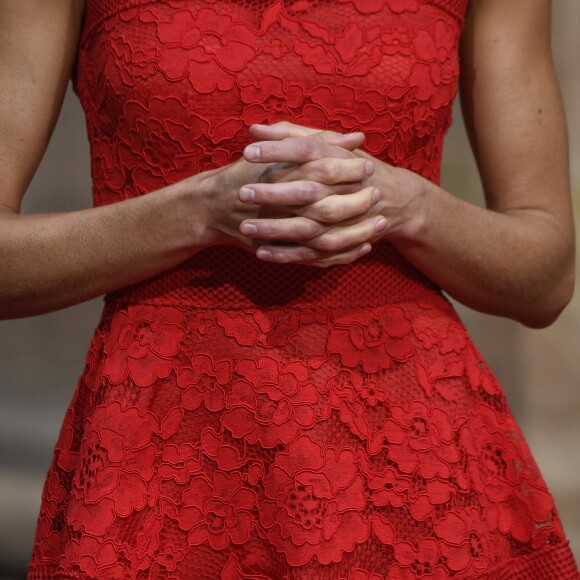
[(316, 229), (326, 169), (328, 243), (308, 191), (308, 229), (309, 255), (329, 212), (304, 148)]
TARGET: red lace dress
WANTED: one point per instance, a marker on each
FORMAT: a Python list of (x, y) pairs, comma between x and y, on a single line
[(245, 420)]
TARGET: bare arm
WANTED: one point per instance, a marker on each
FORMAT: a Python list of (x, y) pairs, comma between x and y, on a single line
[(52, 261), (515, 258)]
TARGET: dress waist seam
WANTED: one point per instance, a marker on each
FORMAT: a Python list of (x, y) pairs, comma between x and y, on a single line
[(297, 306)]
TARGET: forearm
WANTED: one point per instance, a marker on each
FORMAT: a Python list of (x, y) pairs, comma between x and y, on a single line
[(518, 264), (515, 260), (51, 261)]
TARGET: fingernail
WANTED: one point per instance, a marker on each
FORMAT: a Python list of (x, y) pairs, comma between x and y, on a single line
[(249, 229), (264, 254), (380, 225), (370, 168), (365, 249), (376, 195), (247, 194), (252, 152)]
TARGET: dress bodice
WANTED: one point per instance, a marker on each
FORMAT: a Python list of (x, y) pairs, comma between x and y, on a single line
[(171, 87), (251, 421), (174, 92)]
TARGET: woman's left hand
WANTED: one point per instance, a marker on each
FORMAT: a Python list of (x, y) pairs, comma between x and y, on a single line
[(396, 215), (515, 256)]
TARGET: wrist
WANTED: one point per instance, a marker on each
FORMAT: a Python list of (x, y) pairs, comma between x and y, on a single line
[(408, 202), (189, 199), (420, 210)]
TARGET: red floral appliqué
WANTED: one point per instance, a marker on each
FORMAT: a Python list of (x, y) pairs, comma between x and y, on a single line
[(251, 421)]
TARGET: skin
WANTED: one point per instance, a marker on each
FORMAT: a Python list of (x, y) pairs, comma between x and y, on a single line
[(315, 190), (50, 261), (516, 257)]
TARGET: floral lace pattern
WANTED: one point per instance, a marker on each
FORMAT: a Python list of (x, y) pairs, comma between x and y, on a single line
[(242, 421)]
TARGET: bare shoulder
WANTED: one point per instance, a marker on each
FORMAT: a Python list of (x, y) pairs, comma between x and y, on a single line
[(38, 44)]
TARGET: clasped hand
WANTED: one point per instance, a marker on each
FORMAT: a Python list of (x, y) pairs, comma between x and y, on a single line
[(322, 201)]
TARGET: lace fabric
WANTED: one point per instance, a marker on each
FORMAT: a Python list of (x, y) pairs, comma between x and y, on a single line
[(240, 420)]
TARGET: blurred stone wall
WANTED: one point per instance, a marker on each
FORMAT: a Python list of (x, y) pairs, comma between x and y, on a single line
[(41, 357)]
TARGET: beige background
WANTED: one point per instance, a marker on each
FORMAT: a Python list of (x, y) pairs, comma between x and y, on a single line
[(41, 358)]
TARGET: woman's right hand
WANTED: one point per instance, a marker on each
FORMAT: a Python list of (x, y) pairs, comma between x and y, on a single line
[(225, 200), (215, 194)]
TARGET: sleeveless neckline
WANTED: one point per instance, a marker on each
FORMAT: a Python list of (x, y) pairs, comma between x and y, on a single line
[(97, 11)]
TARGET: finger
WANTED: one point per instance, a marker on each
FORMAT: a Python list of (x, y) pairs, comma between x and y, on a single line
[(280, 130), (339, 239), (309, 256), (293, 193), (331, 171), (346, 257), (337, 208), (294, 229), (292, 150), (328, 171), (285, 130)]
